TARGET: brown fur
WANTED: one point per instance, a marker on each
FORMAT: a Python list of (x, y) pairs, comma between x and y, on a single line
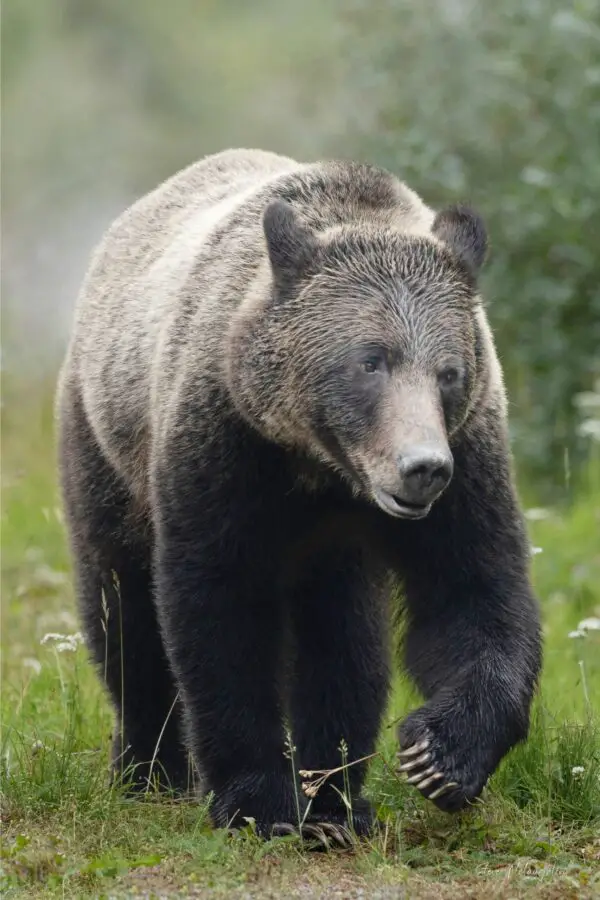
[(258, 348), (184, 274)]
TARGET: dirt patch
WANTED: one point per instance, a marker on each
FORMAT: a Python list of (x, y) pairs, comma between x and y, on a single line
[(336, 881)]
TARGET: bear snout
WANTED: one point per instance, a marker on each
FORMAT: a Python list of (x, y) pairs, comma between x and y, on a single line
[(424, 471)]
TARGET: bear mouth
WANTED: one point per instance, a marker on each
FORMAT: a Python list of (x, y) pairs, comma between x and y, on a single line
[(394, 505)]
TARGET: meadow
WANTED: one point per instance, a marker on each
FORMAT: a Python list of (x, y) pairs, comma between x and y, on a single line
[(66, 833)]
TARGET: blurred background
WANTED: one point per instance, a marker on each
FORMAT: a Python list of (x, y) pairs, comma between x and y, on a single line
[(494, 103)]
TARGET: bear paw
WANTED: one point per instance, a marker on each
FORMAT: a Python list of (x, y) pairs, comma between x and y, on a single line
[(267, 801), (331, 826), (431, 759)]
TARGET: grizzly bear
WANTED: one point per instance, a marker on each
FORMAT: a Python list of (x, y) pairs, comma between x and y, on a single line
[(281, 409)]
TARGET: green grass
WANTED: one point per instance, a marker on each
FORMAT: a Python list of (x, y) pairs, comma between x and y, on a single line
[(65, 833)]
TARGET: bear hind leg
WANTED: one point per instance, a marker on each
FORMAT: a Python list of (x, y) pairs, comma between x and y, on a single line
[(147, 746), (113, 584)]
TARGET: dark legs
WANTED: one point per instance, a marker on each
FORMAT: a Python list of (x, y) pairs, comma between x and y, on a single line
[(223, 628), (137, 675), (119, 620), (226, 649), (216, 573), (223, 585), (340, 679)]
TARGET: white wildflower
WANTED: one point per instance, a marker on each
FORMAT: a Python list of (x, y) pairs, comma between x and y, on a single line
[(589, 399), (30, 663), (536, 550), (537, 514), (577, 771), (590, 428), (588, 404), (63, 642), (591, 624)]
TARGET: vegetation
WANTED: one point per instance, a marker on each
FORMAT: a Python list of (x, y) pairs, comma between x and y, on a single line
[(493, 103)]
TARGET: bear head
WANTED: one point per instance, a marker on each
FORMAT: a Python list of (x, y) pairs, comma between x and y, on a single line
[(363, 352)]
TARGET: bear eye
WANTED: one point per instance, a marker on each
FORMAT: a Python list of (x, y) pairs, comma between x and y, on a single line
[(448, 376), (372, 364)]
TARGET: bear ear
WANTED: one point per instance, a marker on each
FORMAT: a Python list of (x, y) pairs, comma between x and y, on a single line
[(465, 233), (292, 246)]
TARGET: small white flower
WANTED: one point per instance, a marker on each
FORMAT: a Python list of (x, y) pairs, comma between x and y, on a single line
[(536, 550), (591, 624), (63, 642), (30, 663), (577, 771), (588, 399), (537, 514), (590, 428)]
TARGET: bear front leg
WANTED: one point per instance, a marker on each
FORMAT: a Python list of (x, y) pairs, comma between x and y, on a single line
[(216, 547), (473, 638), (222, 629), (340, 677)]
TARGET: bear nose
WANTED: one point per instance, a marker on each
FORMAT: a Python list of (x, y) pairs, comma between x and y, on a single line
[(425, 472)]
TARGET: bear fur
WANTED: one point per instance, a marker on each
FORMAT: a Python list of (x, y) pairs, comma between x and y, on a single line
[(280, 402)]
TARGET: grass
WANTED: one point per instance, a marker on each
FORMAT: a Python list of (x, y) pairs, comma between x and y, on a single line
[(66, 833)]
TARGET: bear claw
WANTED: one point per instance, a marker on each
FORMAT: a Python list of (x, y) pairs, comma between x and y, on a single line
[(443, 790), (282, 829), (422, 785), (324, 832), (414, 763), (338, 833), (413, 767), (315, 830), (419, 778), (414, 749)]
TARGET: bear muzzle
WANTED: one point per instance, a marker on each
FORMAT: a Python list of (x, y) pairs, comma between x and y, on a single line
[(424, 471)]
